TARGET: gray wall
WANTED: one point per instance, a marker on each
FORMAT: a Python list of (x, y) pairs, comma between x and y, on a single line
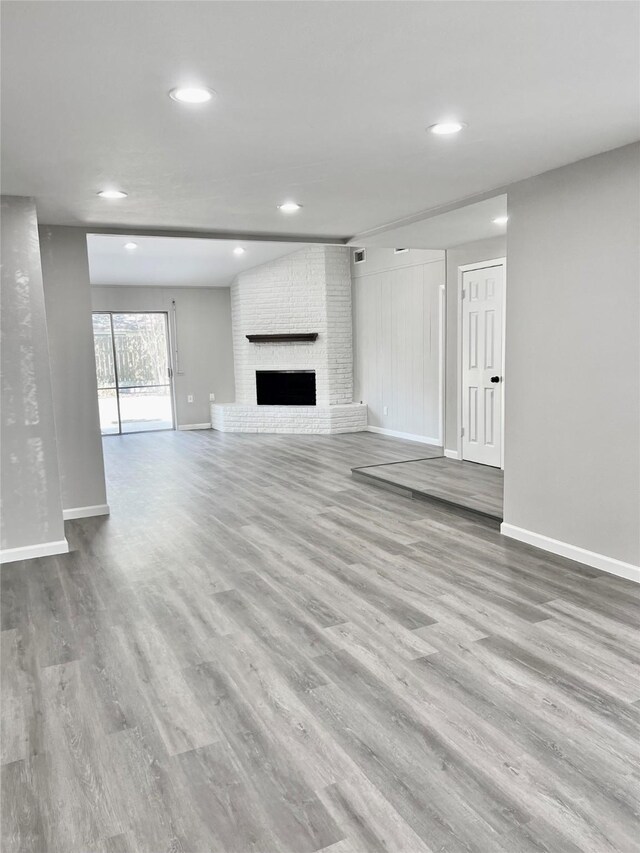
[(31, 499), (572, 467), (67, 295), (396, 327), (468, 253), (204, 340)]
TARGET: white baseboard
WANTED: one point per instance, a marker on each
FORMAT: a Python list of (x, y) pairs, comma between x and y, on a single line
[(409, 436), (573, 552), (30, 552), (85, 511), (452, 454), (194, 426)]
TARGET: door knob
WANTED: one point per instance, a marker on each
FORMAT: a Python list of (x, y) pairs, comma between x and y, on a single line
[(495, 379)]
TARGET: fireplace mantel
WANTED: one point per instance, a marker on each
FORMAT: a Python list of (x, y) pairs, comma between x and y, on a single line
[(282, 338)]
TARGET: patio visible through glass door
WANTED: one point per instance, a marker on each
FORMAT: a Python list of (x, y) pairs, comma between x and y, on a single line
[(134, 377)]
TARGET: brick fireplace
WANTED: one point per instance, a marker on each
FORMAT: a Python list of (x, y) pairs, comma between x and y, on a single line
[(306, 292)]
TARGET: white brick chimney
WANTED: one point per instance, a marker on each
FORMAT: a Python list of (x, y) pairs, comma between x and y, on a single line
[(307, 291)]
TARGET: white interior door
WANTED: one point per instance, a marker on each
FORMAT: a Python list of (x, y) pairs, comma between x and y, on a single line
[(482, 305)]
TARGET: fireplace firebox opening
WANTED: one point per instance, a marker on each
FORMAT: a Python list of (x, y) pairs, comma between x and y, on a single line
[(286, 387)]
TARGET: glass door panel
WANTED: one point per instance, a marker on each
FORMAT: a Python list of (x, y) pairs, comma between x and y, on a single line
[(108, 407), (106, 374), (142, 366), (145, 409), (132, 364)]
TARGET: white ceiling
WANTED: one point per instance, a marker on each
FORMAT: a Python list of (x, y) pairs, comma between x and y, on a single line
[(326, 103), (462, 225), (175, 261)]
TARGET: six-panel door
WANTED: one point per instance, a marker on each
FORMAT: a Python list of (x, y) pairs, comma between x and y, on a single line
[(482, 305)]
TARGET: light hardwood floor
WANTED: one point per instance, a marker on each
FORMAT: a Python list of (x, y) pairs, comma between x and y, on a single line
[(476, 487), (258, 653)]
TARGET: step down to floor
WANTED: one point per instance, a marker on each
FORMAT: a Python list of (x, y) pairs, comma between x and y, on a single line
[(462, 485)]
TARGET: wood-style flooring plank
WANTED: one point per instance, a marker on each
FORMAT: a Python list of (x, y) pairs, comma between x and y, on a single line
[(258, 653)]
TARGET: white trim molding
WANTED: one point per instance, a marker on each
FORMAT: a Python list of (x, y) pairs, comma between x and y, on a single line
[(85, 511), (573, 552), (442, 355), (194, 426), (30, 552), (451, 454), (409, 436)]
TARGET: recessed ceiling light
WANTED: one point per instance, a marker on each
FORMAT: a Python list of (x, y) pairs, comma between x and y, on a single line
[(289, 207), (192, 94), (112, 194), (500, 220), (239, 250), (445, 128), (131, 246)]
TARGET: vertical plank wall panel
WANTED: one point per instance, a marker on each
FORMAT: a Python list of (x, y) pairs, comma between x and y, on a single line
[(396, 340)]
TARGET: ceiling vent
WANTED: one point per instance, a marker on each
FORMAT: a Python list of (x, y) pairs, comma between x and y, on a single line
[(359, 256), (399, 251)]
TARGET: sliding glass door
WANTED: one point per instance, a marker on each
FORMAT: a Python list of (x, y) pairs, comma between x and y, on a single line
[(134, 377)]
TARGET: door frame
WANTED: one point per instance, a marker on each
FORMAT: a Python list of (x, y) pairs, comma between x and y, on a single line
[(480, 265), (172, 370)]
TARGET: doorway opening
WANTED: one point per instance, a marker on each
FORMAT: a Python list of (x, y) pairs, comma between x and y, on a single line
[(133, 369)]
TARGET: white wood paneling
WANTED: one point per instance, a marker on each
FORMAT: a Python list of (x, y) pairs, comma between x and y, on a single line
[(397, 327)]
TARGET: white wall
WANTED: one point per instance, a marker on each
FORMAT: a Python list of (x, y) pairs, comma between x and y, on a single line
[(306, 291), (467, 253), (31, 498), (204, 339), (572, 444), (397, 305), (65, 270)]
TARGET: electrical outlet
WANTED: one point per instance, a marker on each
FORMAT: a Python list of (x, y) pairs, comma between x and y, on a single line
[(386, 410), (212, 398), (189, 398)]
